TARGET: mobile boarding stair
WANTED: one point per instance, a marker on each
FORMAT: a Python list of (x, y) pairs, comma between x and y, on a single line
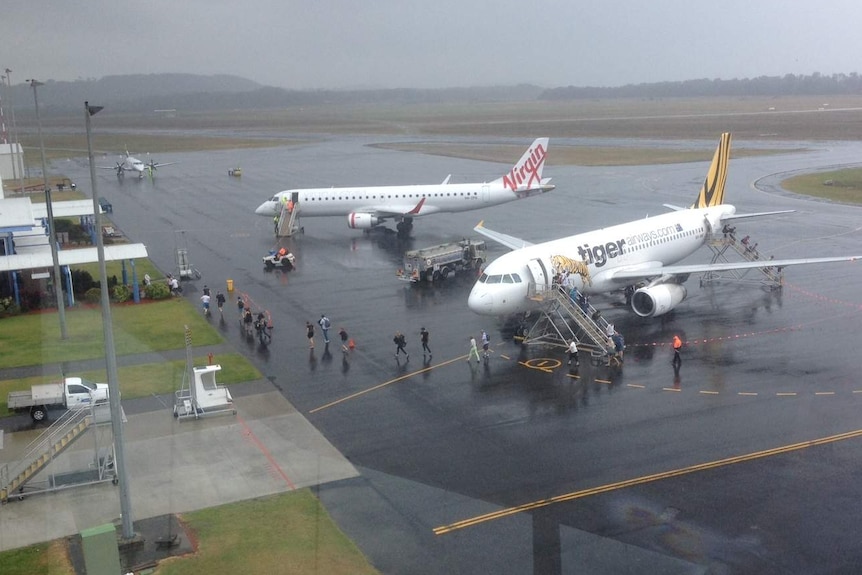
[(18, 480), (727, 247), (562, 320), (288, 220)]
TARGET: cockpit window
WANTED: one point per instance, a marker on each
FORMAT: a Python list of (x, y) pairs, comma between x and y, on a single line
[(517, 278), (494, 279), (274, 199), (483, 278), (507, 279)]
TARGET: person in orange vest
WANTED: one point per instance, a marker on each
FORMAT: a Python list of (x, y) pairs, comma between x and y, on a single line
[(677, 360)]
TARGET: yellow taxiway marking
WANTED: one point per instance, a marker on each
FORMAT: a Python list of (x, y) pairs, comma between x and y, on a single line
[(385, 383), (705, 392), (542, 363), (573, 376), (505, 356), (824, 393), (747, 393), (473, 521), (609, 382), (671, 389), (637, 385), (784, 393)]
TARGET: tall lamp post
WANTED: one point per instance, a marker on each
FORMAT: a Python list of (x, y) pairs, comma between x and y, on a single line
[(110, 352), (52, 233), (15, 163)]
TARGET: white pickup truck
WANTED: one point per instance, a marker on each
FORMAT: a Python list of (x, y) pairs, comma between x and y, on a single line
[(72, 393)]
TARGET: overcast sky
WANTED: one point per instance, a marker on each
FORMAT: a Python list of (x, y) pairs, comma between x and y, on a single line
[(431, 44)]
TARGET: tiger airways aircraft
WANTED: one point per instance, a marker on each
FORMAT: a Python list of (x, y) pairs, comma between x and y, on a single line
[(641, 254), (130, 163), (369, 207)]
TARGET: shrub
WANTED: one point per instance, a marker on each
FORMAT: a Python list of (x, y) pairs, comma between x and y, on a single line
[(159, 290), (82, 281), (121, 293), (93, 295)]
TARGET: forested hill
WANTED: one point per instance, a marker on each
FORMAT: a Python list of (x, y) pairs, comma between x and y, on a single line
[(143, 93)]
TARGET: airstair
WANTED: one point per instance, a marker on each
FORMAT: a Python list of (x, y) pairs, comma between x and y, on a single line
[(288, 220), (46, 448), (728, 247), (562, 320)]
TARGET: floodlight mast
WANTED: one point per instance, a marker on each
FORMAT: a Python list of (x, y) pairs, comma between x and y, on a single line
[(52, 232), (110, 351)]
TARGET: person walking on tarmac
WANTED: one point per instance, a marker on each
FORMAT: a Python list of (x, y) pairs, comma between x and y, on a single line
[(309, 333), (220, 302), (677, 345), (473, 351), (324, 326), (423, 336), (573, 353), (400, 341)]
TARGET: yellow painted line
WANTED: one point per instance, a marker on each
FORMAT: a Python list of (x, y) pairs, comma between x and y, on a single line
[(824, 393), (603, 381), (384, 384), (785, 393), (708, 392), (670, 389), (857, 391), (747, 393), (637, 385), (505, 356), (573, 376), (473, 521)]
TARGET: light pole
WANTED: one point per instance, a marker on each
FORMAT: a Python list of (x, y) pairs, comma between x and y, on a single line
[(52, 233), (110, 352), (14, 134)]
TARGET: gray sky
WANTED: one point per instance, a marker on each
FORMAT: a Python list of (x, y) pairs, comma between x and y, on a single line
[(431, 44)]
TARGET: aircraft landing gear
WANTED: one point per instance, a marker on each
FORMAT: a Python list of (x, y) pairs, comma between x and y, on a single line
[(404, 227)]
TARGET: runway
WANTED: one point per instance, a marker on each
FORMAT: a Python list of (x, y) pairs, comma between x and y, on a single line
[(747, 462)]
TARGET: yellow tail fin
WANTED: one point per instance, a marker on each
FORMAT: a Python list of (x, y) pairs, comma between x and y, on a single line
[(712, 193)]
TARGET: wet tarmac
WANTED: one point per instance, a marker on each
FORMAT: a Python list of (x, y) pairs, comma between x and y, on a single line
[(744, 461)]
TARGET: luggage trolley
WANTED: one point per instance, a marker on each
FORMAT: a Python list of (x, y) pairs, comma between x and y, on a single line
[(185, 270)]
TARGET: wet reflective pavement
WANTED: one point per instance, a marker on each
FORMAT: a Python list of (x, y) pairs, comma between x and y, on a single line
[(734, 464)]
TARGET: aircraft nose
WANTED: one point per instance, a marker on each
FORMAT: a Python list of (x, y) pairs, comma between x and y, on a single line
[(480, 300), (263, 209)]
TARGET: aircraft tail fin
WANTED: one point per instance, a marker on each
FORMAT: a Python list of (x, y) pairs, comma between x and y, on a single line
[(526, 174), (712, 192)]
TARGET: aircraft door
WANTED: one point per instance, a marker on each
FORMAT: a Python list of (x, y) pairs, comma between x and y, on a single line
[(294, 197), (540, 277), (486, 193)]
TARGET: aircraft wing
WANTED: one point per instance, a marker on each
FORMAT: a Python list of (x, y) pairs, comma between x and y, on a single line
[(755, 215), (654, 270), (510, 242), (159, 164)]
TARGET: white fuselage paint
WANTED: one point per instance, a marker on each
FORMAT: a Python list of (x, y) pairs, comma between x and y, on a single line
[(663, 240), (439, 198)]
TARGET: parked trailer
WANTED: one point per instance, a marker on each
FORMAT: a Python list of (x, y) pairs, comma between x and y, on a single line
[(73, 392), (439, 262)]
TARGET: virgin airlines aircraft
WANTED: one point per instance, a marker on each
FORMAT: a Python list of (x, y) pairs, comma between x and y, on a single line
[(366, 208), (641, 253)]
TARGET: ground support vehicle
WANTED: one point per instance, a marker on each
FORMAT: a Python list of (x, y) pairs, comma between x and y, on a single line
[(72, 393), (439, 262)]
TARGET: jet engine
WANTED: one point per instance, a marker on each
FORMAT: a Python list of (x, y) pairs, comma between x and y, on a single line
[(362, 221), (657, 300)]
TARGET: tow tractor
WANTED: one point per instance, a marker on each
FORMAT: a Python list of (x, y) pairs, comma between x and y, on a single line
[(437, 263), (279, 259)]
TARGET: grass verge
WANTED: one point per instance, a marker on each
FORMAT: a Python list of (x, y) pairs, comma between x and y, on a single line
[(286, 534), (840, 185), (290, 533), (34, 339)]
